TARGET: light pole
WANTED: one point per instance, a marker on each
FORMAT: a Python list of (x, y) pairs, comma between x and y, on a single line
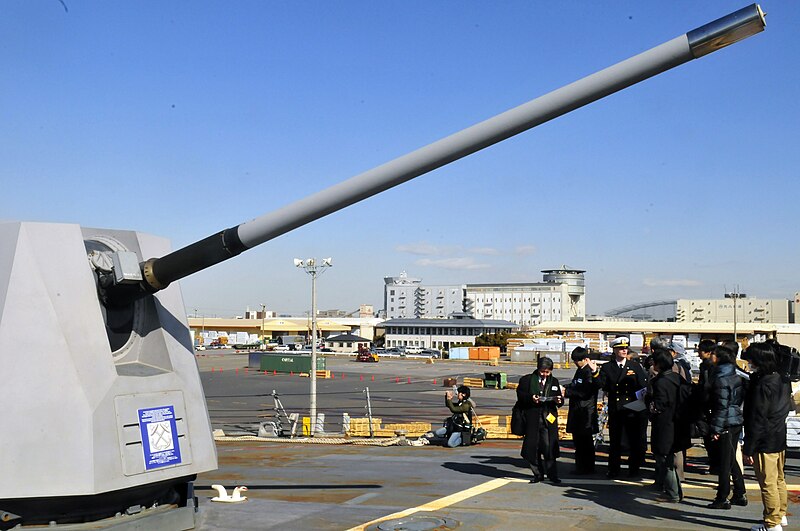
[(263, 314), (313, 269), (735, 295)]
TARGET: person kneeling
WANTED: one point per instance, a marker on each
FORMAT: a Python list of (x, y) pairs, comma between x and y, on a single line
[(459, 425)]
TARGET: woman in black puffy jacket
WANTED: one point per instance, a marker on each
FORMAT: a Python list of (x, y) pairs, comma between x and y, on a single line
[(725, 426)]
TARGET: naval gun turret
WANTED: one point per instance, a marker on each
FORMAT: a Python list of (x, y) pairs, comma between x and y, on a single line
[(104, 412)]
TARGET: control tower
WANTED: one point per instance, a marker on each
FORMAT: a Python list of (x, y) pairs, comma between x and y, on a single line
[(576, 288)]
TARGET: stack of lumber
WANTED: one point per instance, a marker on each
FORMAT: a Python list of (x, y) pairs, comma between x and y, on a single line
[(359, 427), (473, 383)]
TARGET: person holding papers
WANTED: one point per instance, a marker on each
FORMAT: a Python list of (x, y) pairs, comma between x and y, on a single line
[(662, 405), (539, 396)]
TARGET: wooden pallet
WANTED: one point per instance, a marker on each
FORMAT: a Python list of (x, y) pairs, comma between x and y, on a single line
[(473, 382), (485, 421)]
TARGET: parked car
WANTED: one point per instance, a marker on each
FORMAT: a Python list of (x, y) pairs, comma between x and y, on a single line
[(366, 355), (431, 352)]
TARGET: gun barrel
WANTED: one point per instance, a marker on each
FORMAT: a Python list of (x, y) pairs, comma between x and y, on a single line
[(159, 272)]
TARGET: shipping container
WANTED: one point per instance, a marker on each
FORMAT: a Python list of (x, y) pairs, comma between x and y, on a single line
[(459, 353), (285, 362)]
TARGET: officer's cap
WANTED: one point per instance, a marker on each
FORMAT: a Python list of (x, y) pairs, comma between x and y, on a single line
[(620, 342)]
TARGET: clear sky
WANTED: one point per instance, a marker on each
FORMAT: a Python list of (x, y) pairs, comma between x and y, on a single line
[(184, 118)]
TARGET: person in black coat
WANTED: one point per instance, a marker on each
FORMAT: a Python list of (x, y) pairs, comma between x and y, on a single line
[(702, 396), (539, 397), (662, 405), (621, 379), (725, 426), (582, 418), (766, 406)]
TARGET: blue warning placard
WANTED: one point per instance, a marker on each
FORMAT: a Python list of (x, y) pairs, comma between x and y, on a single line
[(159, 437)]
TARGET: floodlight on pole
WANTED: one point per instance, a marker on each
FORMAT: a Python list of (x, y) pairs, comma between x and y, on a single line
[(311, 267), (735, 295)]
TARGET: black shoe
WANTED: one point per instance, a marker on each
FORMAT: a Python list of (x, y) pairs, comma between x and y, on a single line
[(719, 504), (739, 500), (536, 479), (663, 498), (555, 481)]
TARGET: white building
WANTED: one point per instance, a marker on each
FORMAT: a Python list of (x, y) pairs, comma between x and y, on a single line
[(405, 297), (560, 296)]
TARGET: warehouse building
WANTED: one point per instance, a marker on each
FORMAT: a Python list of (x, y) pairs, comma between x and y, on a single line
[(440, 333)]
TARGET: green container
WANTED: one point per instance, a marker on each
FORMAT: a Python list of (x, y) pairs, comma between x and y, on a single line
[(288, 362), (498, 380)]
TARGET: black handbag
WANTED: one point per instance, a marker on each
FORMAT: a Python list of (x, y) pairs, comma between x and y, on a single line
[(517, 420)]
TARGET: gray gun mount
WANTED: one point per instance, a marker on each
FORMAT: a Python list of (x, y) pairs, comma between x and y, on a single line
[(105, 412)]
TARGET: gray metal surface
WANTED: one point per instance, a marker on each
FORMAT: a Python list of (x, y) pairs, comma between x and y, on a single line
[(343, 487), (71, 409)]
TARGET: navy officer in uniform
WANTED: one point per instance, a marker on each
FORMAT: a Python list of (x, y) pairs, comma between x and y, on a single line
[(621, 378)]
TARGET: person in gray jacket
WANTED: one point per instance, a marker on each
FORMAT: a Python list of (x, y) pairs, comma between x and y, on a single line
[(725, 426)]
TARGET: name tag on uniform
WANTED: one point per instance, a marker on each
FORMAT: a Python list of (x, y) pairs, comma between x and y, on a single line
[(630, 372), (550, 418), (554, 388), (579, 380)]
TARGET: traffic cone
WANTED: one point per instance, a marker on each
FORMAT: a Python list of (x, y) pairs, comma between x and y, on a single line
[(274, 372), (434, 381), (409, 380), (373, 377), (362, 377)]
